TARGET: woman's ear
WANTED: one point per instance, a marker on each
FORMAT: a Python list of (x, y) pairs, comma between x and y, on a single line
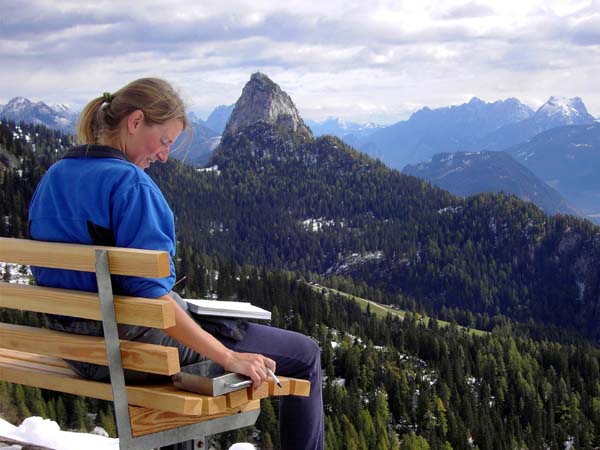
[(134, 121)]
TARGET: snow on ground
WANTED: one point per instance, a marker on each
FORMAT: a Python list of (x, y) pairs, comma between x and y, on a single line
[(15, 273), (47, 433), (214, 169)]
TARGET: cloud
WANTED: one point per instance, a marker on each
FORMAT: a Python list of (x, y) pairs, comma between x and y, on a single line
[(384, 55), (468, 10)]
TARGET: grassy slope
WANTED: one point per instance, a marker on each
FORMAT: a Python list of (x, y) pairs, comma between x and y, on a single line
[(382, 310)]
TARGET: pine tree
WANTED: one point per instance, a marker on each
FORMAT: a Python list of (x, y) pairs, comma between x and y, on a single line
[(413, 442), (22, 409)]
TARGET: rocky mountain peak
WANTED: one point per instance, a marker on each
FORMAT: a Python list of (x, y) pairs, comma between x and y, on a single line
[(263, 100), (17, 104), (60, 117), (564, 111)]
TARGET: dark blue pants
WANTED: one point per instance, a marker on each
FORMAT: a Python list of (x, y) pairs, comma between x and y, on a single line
[(300, 418)]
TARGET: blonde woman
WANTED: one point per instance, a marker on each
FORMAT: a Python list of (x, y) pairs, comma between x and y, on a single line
[(98, 193)]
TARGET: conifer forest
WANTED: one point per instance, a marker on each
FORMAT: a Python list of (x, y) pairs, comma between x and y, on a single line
[(490, 339)]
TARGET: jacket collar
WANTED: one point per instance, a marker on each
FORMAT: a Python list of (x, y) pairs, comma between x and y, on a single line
[(95, 151)]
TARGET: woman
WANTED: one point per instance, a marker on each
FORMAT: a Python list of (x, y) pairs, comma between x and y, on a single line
[(98, 193)]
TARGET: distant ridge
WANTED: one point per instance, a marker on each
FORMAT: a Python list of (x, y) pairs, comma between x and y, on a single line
[(217, 120), (556, 112), (21, 109), (568, 159), (467, 174), (449, 129)]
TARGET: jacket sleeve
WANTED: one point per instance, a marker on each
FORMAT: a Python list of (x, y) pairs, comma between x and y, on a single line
[(142, 218)]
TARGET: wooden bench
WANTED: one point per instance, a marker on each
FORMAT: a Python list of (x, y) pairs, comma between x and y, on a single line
[(147, 416)]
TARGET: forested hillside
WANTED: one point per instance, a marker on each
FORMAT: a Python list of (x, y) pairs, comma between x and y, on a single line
[(323, 207), (387, 380), (398, 380)]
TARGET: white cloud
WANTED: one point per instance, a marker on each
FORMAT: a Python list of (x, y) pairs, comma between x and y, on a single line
[(332, 57)]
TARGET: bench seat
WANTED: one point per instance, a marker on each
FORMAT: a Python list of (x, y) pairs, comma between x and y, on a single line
[(148, 416)]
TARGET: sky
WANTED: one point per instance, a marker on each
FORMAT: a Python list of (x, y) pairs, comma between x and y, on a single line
[(375, 61)]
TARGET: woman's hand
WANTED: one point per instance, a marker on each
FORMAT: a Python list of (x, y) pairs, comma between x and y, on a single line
[(250, 364), (190, 334)]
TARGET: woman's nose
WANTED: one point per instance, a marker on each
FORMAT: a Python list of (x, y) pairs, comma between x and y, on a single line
[(163, 155)]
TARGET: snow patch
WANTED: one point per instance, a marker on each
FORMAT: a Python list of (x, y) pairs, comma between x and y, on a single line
[(457, 169), (450, 209), (214, 169), (47, 433), (15, 273), (570, 443), (316, 225)]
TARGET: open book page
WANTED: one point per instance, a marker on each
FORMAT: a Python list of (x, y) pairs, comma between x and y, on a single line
[(227, 309)]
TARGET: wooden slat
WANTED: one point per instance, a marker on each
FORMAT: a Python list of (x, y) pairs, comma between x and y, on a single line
[(136, 355), (237, 398), (283, 390), (145, 421), (300, 387), (213, 405), (257, 393), (122, 261), (32, 373), (146, 312), (34, 358)]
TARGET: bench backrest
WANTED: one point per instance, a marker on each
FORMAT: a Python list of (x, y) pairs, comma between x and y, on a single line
[(162, 414), (128, 310)]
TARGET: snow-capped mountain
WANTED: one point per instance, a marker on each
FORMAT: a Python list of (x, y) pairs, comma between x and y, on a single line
[(58, 116), (563, 111), (449, 129), (556, 112), (341, 128)]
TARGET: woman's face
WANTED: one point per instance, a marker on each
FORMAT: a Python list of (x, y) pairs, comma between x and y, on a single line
[(149, 143)]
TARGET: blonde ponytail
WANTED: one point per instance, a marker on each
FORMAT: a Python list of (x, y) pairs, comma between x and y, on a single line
[(100, 121)]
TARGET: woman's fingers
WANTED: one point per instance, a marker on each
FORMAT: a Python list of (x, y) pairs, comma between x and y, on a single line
[(270, 364), (254, 366)]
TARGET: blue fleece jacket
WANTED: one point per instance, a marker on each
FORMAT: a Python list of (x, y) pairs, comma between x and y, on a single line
[(94, 195)]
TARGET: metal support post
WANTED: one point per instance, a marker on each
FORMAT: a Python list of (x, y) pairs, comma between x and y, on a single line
[(113, 348), (186, 437)]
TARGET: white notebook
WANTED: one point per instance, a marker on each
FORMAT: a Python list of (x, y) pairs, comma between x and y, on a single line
[(227, 309)]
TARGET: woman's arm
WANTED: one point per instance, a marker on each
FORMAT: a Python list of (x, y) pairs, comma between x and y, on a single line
[(190, 334)]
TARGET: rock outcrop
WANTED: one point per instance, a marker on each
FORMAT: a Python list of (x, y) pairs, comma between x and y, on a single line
[(263, 100)]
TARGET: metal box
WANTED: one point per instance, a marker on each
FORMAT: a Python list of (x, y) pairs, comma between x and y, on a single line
[(209, 378)]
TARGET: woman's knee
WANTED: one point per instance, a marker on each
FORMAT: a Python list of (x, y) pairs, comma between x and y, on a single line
[(312, 353)]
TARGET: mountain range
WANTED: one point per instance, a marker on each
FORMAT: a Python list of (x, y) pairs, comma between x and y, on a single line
[(450, 129), (280, 198), (316, 209), (567, 158), (467, 174), (555, 169), (60, 117), (474, 126), (556, 112), (349, 132)]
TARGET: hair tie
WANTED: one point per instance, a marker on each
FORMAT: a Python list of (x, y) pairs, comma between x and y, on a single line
[(107, 97)]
